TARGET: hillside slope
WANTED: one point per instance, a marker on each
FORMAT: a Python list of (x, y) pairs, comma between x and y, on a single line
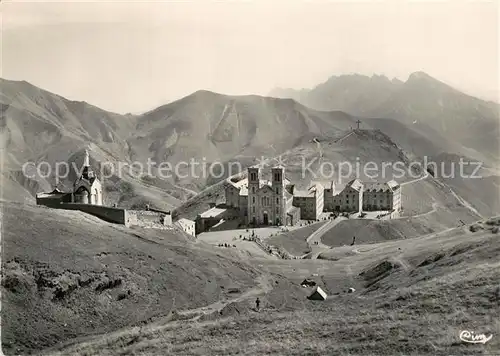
[(411, 296), (435, 106), (207, 127), (67, 274), (193, 138)]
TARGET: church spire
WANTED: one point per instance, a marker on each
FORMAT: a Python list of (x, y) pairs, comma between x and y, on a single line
[(86, 160)]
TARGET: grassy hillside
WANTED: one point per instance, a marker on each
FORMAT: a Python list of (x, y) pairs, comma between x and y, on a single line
[(68, 274), (413, 297), (294, 241)]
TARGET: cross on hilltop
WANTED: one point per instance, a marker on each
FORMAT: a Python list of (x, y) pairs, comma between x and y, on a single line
[(358, 122)]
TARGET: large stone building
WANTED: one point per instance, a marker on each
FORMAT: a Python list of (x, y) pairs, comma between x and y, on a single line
[(277, 202), (310, 201), (266, 200), (358, 196), (263, 202), (382, 196), (349, 198)]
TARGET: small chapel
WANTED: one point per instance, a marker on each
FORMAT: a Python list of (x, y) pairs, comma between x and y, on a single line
[(87, 188)]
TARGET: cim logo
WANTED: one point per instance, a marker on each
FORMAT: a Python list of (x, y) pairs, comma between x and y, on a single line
[(473, 338)]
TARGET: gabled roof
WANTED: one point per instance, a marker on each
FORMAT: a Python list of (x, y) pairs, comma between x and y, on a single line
[(239, 183), (381, 187), (318, 294), (355, 184), (243, 191), (213, 212), (185, 221), (304, 193), (393, 184), (266, 187)]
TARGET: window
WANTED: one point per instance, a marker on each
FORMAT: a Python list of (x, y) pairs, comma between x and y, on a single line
[(277, 200), (253, 209), (277, 210), (253, 190), (253, 200)]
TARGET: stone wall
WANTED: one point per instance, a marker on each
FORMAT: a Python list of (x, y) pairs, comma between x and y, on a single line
[(114, 215), (146, 218), (149, 218)]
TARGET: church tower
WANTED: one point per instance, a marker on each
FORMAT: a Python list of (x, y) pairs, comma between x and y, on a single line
[(253, 202), (279, 203), (87, 188)]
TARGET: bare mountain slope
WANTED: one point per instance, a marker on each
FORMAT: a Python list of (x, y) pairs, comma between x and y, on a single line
[(34, 121), (210, 127), (423, 100), (468, 120), (356, 94)]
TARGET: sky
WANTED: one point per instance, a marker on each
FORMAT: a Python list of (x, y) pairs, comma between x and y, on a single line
[(127, 56)]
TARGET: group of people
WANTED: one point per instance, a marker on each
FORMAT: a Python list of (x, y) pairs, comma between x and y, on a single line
[(226, 245)]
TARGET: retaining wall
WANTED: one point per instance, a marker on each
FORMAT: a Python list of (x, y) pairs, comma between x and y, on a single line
[(114, 215)]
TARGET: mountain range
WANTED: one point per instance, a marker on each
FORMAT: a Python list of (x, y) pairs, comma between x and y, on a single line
[(423, 116), (429, 106)]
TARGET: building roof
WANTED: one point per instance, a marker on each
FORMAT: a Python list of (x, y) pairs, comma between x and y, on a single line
[(239, 183), (309, 192), (213, 212), (51, 195), (185, 221), (355, 184), (381, 187), (393, 184), (304, 193), (244, 191)]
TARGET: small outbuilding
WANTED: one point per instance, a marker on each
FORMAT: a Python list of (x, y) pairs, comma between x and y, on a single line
[(318, 294), (308, 283)]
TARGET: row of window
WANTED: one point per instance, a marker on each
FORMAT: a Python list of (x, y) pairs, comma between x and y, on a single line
[(266, 201), (277, 210)]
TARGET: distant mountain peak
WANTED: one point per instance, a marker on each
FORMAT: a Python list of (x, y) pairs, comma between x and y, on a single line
[(421, 76), (422, 79)]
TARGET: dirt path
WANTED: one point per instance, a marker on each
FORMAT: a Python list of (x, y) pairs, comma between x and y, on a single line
[(416, 180), (344, 137), (466, 203), (92, 345)]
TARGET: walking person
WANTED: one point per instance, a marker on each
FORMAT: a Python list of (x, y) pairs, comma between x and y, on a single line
[(257, 303), (353, 240)]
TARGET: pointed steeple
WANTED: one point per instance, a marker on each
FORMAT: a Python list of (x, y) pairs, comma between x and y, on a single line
[(86, 160)]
